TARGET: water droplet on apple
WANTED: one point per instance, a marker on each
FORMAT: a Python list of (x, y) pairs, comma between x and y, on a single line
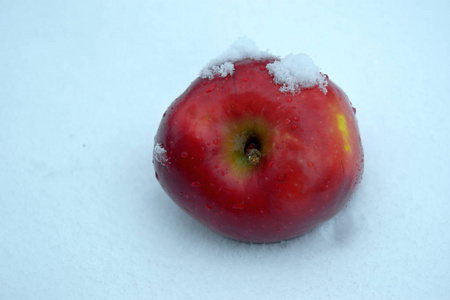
[(354, 110), (239, 205), (196, 184), (210, 88), (208, 206), (229, 189), (310, 164), (295, 119), (287, 121), (216, 141), (281, 177), (184, 154), (262, 68), (245, 79), (294, 126), (270, 164), (288, 99), (156, 175)]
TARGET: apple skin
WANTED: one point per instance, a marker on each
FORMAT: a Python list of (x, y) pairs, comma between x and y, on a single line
[(311, 155)]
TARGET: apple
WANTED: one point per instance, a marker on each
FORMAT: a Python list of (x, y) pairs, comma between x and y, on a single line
[(254, 163)]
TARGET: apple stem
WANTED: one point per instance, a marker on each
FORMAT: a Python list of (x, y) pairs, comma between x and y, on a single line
[(253, 154)]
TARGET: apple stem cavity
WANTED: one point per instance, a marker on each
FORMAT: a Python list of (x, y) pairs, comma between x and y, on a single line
[(253, 154)]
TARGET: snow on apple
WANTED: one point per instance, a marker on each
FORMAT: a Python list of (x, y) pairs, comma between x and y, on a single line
[(227, 68), (222, 65), (292, 72), (160, 154), (295, 72), (261, 149)]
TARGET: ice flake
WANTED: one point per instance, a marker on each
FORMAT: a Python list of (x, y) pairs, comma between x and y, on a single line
[(161, 154), (295, 72), (243, 48)]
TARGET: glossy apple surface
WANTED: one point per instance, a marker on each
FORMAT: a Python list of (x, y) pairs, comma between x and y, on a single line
[(308, 162)]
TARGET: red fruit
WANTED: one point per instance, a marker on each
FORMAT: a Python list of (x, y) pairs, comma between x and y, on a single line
[(256, 164)]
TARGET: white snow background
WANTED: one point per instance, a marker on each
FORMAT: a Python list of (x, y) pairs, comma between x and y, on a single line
[(83, 85)]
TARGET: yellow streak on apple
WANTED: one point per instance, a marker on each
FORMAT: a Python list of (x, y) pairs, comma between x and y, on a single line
[(342, 123)]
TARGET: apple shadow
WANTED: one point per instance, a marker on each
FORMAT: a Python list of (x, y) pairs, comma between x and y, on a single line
[(176, 222), (346, 226), (341, 229)]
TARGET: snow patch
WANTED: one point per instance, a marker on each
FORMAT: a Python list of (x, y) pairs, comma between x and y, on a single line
[(243, 48), (161, 154), (295, 72)]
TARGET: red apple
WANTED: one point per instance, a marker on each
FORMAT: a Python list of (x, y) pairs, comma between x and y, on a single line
[(256, 164)]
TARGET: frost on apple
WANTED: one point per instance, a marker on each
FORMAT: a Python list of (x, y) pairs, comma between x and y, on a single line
[(295, 72), (161, 154), (243, 48)]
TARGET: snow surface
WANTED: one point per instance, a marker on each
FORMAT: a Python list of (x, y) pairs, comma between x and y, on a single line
[(83, 86)]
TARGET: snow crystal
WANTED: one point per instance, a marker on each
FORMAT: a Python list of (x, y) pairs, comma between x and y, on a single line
[(243, 48), (295, 72), (161, 154)]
